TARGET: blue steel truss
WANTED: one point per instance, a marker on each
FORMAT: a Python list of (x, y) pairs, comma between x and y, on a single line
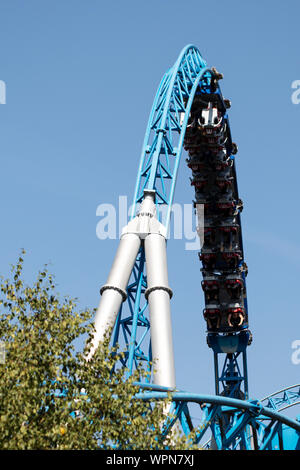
[(164, 136), (227, 423), (159, 163), (230, 419), (283, 399)]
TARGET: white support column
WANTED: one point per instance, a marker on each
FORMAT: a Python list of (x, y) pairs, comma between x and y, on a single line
[(113, 293), (159, 294), (145, 226)]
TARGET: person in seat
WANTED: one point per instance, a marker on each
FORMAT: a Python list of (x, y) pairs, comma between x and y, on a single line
[(208, 260), (200, 182), (224, 183), (229, 237), (232, 259), (211, 290), (234, 288), (235, 317), (212, 317), (209, 237)]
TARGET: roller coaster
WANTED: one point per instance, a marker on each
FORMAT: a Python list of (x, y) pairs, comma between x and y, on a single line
[(190, 112)]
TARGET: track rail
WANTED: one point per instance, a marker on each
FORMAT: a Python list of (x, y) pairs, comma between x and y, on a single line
[(283, 399), (234, 424)]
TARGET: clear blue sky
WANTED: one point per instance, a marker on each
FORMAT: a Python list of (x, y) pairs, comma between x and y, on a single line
[(81, 77)]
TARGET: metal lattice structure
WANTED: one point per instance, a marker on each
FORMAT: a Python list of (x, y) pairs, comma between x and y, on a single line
[(283, 399), (234, 424), (189, 111)]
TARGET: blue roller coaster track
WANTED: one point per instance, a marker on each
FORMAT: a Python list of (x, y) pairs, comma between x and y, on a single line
[(190, 112)]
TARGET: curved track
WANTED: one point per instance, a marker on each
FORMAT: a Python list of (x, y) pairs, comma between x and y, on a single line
[(234, 424), (283, 399)]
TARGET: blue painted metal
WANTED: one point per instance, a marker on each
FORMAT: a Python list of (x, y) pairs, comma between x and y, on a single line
[(164, 136), (158, 168), (232, 421), (132, 327), (283, 399), (233, 375), (228, 423)]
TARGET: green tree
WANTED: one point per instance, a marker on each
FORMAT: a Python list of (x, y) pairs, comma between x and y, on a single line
[(50, 396)]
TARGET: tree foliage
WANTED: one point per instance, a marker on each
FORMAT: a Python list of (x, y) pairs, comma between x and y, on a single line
[(50, 396)]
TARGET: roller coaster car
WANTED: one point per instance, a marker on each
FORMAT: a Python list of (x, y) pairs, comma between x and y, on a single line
[(234, 286), (212, 315), (211, 289)]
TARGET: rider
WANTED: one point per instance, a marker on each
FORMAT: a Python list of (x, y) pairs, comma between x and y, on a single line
[(235, 317), (212, 317)]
